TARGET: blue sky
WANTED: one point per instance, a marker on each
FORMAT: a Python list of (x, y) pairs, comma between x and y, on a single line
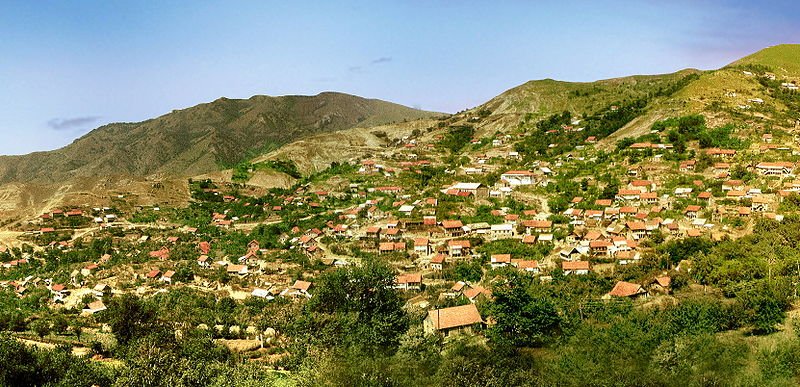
[(68, 67)]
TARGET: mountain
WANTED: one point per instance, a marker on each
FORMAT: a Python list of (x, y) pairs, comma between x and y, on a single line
[(203, 138), (720, 95)]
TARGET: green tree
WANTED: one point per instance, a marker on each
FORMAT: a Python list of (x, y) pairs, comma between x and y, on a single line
[(41, 327), (77, 328), (129, 318), (358, 307), (60, 324), (523, 319)]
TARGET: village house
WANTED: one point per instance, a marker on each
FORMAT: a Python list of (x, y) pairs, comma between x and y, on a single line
[(642, 185), (89, 269), (458, 248), (373, 232), (603, 202), (627, 290), (167, 277), (722, 168), (500, 260), (649, 198), (600, 248), (438, 261), (528, 266), (391, 247), (253, 246), (391, 233), (537, 226), (511, 218), (94, 307), (628, 195), (502, 231), (453, 228), (422, 246), (429, 221), (517, 178), (411, 281), (59, 292), (249, 259), (720, 153), (101, 290), (454, 320), (545, 238), (262, 293), (240, 270), (683, 192), (661, 284), (743, 212), (476, 190), (574, 252), (529, 239), (732, 185), (575, 267), (627, 257), (406, 209), (692, 211), (760, 203), (627, 211), (374, 213), (340, 230), (297, 290), (736, 194), (687, 166), (368, 166), (204, 247), (775, 169)]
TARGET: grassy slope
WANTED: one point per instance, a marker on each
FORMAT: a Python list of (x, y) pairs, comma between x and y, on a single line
[(783, 59), (545, 97), (718, 94)]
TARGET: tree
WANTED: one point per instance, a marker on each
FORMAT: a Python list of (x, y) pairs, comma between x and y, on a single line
[(356, 307), (523, 320), (129, 318), (19, 365), (765, 304), (691, 124), (41, 327), (466, 271), (60, 324), (77, 328)]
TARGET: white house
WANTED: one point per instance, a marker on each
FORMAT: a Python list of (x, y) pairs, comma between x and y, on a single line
[(500, 260), (515, 178), (502, 231)]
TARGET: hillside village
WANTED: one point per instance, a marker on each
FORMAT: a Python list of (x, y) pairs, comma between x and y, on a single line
[(460, 212)]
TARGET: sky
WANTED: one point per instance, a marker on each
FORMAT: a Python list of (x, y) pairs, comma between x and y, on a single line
[(67, 67)]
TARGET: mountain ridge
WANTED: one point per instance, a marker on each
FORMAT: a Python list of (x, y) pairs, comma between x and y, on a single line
[(203, 138)]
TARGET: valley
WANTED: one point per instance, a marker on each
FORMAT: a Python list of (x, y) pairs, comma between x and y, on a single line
[(644, 228)]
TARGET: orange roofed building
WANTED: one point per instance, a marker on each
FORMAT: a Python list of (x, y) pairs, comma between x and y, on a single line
[(448, 321)]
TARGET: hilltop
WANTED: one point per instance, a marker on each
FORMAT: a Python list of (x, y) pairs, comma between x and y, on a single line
[(783, 59), (202, 139)]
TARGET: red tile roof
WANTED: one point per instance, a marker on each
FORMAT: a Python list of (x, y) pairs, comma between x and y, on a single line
[(457, 316)]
